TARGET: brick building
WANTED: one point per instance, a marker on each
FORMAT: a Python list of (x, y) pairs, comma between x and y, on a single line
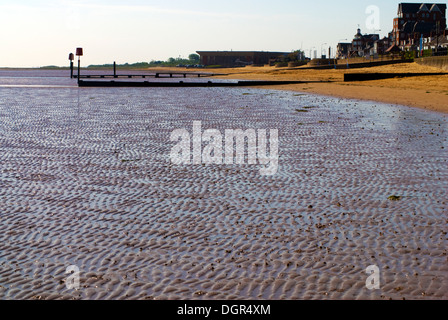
[(343, 49), (381, 46), (436, 43), (238, 58), (416, 20), (362, 44)]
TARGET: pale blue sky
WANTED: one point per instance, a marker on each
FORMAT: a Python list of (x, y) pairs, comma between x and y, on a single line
[(37, 33)]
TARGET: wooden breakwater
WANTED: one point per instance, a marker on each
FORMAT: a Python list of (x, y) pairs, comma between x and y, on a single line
[(149, 75), (348, 77), (181, 84)]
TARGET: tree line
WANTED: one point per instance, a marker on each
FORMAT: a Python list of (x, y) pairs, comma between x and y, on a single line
[(193, 59)]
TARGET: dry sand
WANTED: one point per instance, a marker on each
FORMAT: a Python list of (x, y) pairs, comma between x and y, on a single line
[(428, 92)]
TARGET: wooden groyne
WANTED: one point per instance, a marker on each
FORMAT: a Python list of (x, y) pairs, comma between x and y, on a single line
[(181, 84), (380, 76), (152, 75)]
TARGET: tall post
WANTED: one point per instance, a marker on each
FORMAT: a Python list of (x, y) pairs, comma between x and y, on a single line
[(79, 53), (348, 57), (79, 67), (71, 57)]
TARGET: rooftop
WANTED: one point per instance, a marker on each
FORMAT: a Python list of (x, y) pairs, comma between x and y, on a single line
[(417, 7)]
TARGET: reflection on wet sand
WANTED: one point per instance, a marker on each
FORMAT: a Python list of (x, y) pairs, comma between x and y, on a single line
[(86, 180)]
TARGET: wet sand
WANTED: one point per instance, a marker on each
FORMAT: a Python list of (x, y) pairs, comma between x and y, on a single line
[(426, 92), (86, 180)]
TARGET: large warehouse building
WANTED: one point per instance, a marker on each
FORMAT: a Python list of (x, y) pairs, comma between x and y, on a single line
[(238, 58)]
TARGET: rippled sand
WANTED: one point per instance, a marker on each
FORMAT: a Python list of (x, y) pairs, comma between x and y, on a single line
[(86, 180)]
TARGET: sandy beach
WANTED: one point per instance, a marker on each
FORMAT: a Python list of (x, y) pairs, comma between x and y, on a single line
[(426, 92), (86, 181)]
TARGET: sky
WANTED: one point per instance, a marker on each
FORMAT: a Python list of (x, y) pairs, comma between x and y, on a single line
[(40, 33)]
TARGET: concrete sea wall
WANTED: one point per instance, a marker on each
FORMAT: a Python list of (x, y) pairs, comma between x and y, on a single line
[(438, 62)]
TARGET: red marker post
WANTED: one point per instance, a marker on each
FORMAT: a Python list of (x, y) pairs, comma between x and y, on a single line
[(79, 53)]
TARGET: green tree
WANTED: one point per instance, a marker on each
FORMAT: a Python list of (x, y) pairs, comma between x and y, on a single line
[(194, 58)]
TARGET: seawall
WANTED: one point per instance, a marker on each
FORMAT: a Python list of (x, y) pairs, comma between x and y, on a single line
[(438, 62)]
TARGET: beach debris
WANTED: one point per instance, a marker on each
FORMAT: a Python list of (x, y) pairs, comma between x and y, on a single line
[(301, 110), (125, 160), (394, 198)]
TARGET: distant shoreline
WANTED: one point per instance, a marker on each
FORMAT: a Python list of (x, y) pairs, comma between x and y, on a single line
[(424, 92), (35, 68), (428, 92)]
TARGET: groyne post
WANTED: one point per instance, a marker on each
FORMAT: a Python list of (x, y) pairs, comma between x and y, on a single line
[(71, 57), (79, 53)]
